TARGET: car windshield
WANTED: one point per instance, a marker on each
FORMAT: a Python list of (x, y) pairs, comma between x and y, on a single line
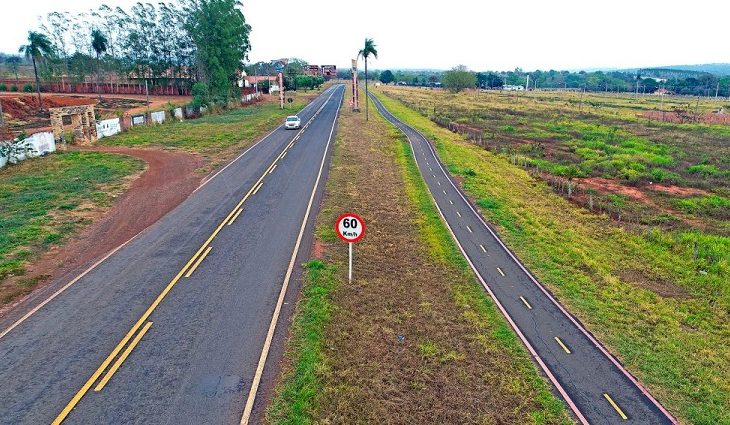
[(292, 119)]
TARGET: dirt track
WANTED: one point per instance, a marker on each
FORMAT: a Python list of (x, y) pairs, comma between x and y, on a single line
[(168, 179)]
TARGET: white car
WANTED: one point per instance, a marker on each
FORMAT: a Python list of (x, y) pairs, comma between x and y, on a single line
[(292, 122)]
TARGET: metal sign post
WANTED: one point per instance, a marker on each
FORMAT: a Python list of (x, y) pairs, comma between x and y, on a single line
[(350, 228)]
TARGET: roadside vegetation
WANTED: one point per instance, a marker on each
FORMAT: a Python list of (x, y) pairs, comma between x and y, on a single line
[(657, 296), (44, 200), (414, 338)]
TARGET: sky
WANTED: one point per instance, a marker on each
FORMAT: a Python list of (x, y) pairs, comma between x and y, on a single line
[(494, 35)]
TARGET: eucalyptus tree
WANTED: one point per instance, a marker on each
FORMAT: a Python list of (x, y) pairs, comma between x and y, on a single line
[(365, 52), (38, 47), (57, 27)]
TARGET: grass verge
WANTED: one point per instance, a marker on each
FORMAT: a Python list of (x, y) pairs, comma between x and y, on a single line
[(44, 200), (414, 338), (662, 310)]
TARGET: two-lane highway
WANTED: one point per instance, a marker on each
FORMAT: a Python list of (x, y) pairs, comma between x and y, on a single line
[(175, 326), (592, 382)]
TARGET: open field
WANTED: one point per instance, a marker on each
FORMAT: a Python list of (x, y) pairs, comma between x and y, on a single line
[(658, 299), (44, 200), (414, 339)]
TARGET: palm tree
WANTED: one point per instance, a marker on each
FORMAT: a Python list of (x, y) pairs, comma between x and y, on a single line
[(38, 47), (99, 43), (367, 50)]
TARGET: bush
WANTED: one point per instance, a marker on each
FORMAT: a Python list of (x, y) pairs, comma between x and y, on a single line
[(28, 87), (3, 87), (705, 170), (201, 95), (14, 87)]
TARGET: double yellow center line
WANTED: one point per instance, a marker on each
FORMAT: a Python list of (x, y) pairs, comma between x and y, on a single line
[(187, 270)]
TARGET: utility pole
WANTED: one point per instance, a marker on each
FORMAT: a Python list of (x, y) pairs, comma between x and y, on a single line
[(717, 90)]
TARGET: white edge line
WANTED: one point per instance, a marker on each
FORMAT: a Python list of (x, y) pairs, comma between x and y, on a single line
[(113, 251), (208, 179), (66, 286), (546, 292), (532, 351), (246, 417)]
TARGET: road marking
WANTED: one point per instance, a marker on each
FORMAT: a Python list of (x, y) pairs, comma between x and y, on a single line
[(562, 345), (529, 307), (434, 175), (451, 202), (248, 409), (615, 406), (458, 213), (438, 183), (430, 169), (444, 192), (87, 385), (257, 188), (197, 263), (482, 247), (122, 358), (469, 229), (283, 154), (500, 271), (273, 168), (235, 216)]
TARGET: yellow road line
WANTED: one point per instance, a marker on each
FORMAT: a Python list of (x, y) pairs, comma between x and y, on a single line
[(562, 345), (272, 169), (87, 385), (257, 188), (500, 271), (197, 263), (122, 358), (482, 247), (469, 229), (615, 406), (235, 216), (529, 307)]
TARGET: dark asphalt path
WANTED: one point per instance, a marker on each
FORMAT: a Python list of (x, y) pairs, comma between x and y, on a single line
[(585, 375), (196, 362)]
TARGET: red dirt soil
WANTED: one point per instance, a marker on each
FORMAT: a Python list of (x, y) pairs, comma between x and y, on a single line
[(168, 179), (606, 185), (677, 191), (25, 107)]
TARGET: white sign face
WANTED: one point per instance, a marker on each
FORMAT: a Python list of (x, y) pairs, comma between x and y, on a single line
[(350, 227)]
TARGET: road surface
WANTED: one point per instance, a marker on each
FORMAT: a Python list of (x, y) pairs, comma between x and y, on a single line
[(594, 385), (174, 327)]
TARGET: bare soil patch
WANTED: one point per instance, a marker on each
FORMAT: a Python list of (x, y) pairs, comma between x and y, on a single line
[(677, 190), (169, 177)]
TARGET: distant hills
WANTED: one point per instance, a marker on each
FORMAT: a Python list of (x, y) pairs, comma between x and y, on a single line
[(720, 69)]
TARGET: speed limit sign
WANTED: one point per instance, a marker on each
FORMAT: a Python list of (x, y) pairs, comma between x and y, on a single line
[(350, 227)]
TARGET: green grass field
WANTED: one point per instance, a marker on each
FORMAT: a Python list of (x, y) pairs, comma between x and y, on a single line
[(43, 200), (210, 135), (659, 300)]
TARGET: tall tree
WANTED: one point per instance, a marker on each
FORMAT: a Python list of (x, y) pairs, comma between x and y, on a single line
[(387, 77), (458, 79), (99, 44), (38, 47), (14, 62), (365, 52), (220, 33)]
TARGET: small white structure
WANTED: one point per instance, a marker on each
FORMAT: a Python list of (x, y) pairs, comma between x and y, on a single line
[(39, 144), (138, 120), (157, 117), (108, 128), (178, 112), (510, 87)]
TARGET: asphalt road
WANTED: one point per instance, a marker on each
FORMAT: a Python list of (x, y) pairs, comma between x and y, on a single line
[(180, 314), (592, 382)]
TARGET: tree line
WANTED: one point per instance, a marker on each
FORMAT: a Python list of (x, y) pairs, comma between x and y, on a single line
[(644, 81), (182, 43)]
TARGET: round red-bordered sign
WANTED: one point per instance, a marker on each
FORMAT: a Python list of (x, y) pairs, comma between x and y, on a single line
[(350, 227)]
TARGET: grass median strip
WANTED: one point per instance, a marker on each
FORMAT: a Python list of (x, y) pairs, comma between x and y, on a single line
[(414, 338), (663, 313)]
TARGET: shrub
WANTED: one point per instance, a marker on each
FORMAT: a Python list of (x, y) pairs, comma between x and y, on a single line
[(705, 170), (14, 87), (3, 87), (664, 176), (201, 95), (28, 87)]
